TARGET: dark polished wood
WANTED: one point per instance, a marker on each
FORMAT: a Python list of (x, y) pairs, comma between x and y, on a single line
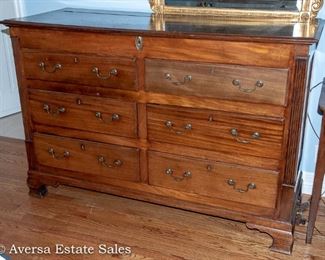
[(297, 108), (174, 26), (100, 113), (319, 173)]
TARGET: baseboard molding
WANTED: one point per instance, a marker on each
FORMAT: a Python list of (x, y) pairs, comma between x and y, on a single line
[(11, 140), (10, 112), (308, 178)]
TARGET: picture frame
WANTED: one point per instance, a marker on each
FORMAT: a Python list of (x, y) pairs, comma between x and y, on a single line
[(307, 10)]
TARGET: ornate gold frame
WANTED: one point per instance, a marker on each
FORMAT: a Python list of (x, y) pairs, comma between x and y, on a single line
[(308, 12)]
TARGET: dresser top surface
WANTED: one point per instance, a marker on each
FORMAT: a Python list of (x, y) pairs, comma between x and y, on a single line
[(170, 25)]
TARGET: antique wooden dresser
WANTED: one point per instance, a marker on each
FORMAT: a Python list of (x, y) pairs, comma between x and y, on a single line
[(190, 113)]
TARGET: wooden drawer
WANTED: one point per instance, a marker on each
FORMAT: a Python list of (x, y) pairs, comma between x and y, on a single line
[(87, 113), (104, 160), (76, 41), (217, 131), (207, 178), (99, 71), (253, 84), (219, 51)]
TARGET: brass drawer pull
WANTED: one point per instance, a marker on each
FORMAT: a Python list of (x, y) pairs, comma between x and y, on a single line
[(250, 186), (170, 125), (114, 117), (258, 84), (234, 132), (170, 172), (55, 112), (103, 161), (55, 68), (54, 155), (186, 79), (111, 73)]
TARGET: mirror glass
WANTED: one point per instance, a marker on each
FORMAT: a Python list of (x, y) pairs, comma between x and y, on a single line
[(285, 5)]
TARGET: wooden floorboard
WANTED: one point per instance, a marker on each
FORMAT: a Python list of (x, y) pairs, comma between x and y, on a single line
[(72, 216)]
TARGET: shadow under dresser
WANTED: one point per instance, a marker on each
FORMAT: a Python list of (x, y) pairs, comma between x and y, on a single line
[(203, 118)]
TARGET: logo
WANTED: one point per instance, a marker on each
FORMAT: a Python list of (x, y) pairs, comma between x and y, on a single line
[(2, 249), (2, 253)]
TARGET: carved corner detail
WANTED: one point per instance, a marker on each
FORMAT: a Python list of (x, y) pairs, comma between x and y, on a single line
[(282, 239), (315, 8), (157, 6)]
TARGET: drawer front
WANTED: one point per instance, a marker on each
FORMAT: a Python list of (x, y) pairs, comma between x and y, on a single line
[(241, 83), (87, 113), (99, 71), (76, 41), (272, 55), (216, 131), (103, 160), (207, 178)]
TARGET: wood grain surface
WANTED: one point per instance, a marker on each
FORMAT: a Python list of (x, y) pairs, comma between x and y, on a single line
[(210, 179), (61, 41), (217, 81), (212, 130), (98, 65), (74, 216), (78, 68), (84, 157), (94, 114)]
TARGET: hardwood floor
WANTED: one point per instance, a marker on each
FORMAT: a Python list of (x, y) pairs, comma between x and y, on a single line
[(77, 217)]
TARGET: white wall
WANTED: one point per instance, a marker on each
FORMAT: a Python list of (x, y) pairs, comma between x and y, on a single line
[(37, 6), (9, 97), (310, 142)]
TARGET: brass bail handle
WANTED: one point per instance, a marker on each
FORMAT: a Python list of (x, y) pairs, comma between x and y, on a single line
[(186, 79), (55, 155), (103, 161), (250, 186), (112, 73), (234, 132), (170, 125), (114, 117), (258, 84), (186, 174), (54, 69), (54, 112)]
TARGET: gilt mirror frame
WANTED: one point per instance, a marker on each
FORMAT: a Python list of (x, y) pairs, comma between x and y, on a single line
[(308, 11)]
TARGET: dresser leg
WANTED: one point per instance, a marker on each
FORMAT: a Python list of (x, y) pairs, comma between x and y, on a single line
[(282, 239), (36, 189), (40, 192)]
